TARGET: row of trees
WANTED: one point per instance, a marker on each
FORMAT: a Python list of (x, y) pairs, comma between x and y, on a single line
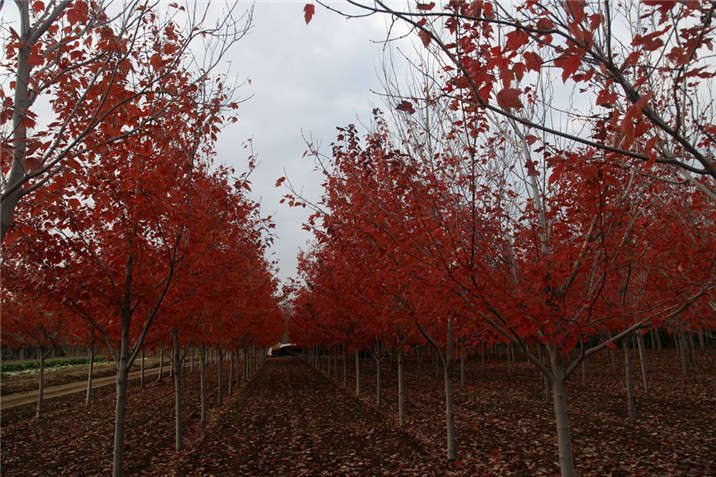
[(118, 230), (490, 209)]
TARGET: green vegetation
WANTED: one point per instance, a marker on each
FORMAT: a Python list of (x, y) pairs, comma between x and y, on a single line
[(16, 367)]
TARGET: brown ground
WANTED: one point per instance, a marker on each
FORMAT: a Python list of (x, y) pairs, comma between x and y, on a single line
[(290, 420)]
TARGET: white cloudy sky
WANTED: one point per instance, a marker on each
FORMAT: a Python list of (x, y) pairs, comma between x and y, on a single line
[(308, 78)]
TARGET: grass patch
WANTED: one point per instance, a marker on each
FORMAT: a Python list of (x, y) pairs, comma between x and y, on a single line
[(49, 364)]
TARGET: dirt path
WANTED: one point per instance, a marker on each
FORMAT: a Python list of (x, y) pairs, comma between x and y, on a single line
[(10, 401), (290, 420)]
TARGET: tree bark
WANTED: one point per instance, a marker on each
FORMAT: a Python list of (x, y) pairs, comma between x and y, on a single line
[(161, 363), (643, 362), (90, 373), (230, 381), (357, 373), (682, 352), (220, 359), (122, 372), (462, 370), (202, 381), (141, 373), (449, 410), (345, 376), (401, 389), (559, 398), (629, 385), (178, 427), (378, 390), (41, 385)]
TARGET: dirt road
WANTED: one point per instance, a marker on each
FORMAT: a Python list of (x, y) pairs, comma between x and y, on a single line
[(10, 401), (290, 420)]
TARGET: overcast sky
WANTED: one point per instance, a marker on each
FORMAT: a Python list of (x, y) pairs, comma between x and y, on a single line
[(308, 78)]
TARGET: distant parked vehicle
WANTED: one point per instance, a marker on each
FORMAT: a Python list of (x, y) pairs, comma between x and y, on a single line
[(285, 349)]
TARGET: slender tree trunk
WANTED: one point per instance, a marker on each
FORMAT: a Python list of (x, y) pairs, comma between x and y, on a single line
[(231, 372), (631, 406), (178, 428), (220, 358), (122, 372), (682, 352), (191, 357), (378, 389), (161, 363), (401, 389), (141, 373), (643, 362), (702, 341), (202, 381), (357, 373), (41, 385), (462, 370), (345, 375), (449, 410), (559, 397), (90, 374), (692, 354), (657, 333)]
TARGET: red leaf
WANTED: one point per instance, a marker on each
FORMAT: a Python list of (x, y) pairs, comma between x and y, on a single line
[(532, 60), (35, 60), (569, 63), (406, 106), (155, 61), (308, 10), (426, 6), (280, 181), (516, 39), (530, 139), (611, 345), (38, 7), (424, 37), (509, 98)]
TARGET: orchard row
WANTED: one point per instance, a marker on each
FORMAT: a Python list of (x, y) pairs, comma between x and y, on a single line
[(500, 204), (119, 231)]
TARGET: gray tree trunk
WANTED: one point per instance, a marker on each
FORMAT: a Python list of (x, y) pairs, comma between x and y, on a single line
[(220, 359), (631, 406), (357, 373), (378, 389), (19, 130), (345, 376), (682, 352), (90, 373), (643, 362), (449, 410), (141, 371), (122, 372), (202, 382), (161, 363), (230, 381), (559, 398), (462, 370), (178, 427), (41, 385), (401, 389)]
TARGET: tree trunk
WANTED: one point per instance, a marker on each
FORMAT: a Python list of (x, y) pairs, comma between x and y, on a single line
[(141, 373), (629, 386), (643, 363), (449, 411), (202, 381), (357, 373), (220, 357), (230, 381), (462, 370), (401, 389), (178, 434), (161, 363), (378, 359), (122, 372), (90, 372), (559, 397), (41, 385), (682, 352), (657, 333), (345, 376)]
